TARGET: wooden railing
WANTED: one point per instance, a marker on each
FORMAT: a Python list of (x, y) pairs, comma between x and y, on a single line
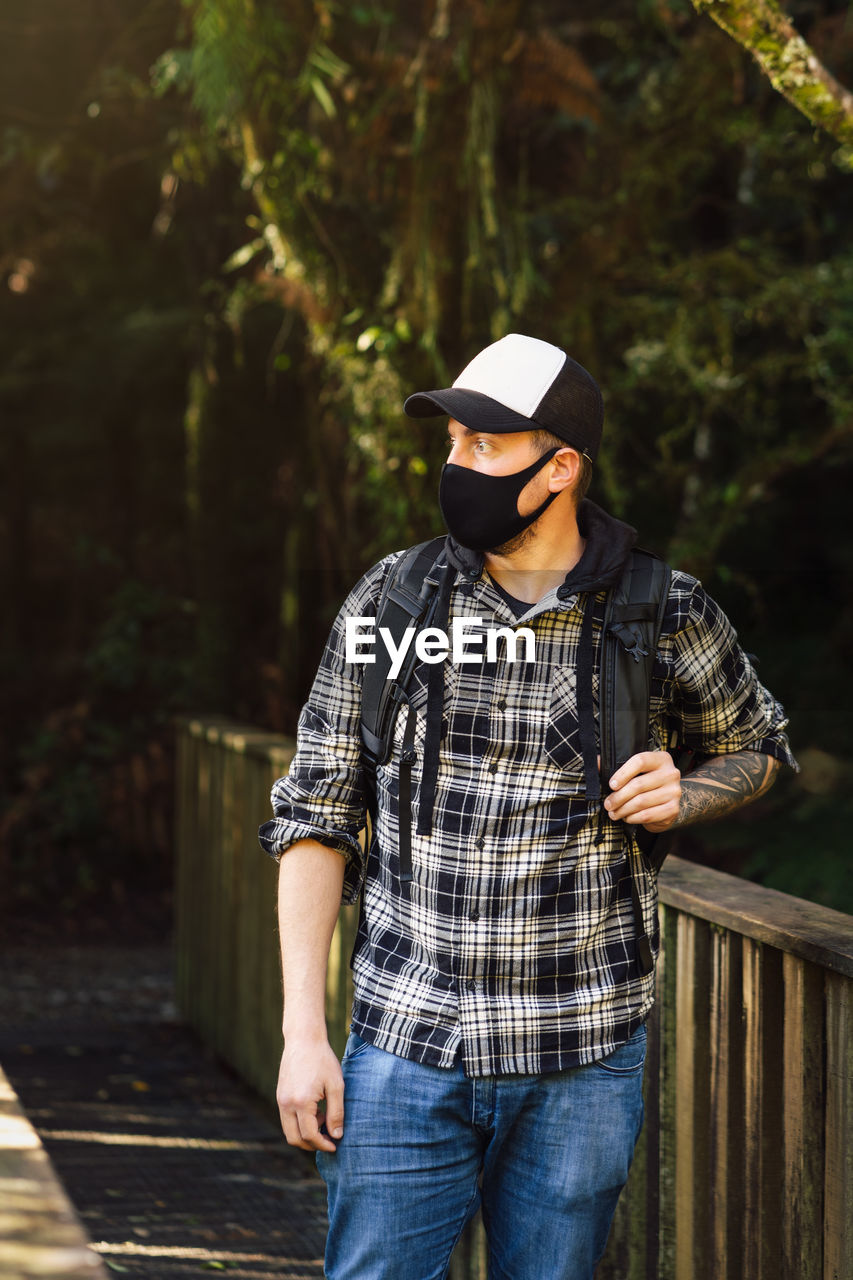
[(745, 1167), (40, 1233)]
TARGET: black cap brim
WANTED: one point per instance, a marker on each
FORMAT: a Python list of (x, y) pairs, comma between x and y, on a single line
[(474, 410)]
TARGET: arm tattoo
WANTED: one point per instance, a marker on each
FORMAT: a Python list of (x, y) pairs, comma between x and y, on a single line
[(723, 784)]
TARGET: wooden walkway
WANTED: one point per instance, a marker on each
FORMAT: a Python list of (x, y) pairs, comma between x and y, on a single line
[(174, 1167)]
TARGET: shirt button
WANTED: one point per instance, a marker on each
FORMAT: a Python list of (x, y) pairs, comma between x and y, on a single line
[(481, 844), (493, 768), (471, 984), (474, 915), (501, 706)]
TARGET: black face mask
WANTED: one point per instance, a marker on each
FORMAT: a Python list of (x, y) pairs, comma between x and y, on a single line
[(480, 511)]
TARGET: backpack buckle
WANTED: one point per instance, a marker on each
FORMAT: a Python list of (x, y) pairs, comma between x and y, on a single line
[(630, 641)]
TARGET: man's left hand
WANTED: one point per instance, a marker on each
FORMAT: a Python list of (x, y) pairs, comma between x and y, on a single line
[(646, 791)]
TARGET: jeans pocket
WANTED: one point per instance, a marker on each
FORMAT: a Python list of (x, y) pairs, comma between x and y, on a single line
[(355, 1046), (629, 1059)]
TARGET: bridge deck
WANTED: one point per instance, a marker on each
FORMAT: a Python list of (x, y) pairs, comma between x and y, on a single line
[(173, 1166)]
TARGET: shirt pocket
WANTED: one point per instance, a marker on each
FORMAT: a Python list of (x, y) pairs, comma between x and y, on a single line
[(562, 735)]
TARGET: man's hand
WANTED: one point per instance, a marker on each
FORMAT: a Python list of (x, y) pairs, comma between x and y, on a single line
[(649, 792), (646, 791), (309, 1076)]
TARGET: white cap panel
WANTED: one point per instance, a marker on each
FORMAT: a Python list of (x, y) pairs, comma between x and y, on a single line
[(515, 370)]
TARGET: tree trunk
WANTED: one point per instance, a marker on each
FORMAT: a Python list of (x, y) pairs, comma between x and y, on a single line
[(767, 33)]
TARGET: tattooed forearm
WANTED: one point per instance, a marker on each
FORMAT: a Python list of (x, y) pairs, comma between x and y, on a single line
[(723, 784)]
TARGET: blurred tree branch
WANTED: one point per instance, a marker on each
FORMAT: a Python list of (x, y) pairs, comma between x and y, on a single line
[(790, 64)]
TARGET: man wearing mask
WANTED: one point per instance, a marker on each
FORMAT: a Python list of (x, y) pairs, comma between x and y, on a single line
[(498, 1026)]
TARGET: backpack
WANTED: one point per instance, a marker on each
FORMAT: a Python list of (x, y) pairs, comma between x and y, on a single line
[(632, 624)]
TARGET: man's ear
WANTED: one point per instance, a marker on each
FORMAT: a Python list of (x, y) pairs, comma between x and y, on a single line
[(566, 469)]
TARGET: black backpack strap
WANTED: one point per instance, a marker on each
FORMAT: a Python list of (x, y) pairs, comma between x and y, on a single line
[(632, 626), (404, 797), (632, 623), (407, 599)]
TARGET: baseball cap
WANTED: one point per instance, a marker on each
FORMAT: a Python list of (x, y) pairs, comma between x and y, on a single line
[(521, 384)]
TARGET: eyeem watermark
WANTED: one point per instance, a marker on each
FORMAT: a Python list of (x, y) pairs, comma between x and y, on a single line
[(434, 645)]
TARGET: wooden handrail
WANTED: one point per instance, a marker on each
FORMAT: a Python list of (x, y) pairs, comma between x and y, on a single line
[(40, 1234), (805, 929)]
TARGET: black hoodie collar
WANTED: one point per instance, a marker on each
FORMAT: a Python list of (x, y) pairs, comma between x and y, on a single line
[(608, 545)]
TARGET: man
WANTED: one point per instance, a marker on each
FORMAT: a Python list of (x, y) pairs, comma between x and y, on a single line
[(498, 1036)]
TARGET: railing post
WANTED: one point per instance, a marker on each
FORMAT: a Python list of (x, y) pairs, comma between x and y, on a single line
[(802, 1118), (838, 1183)]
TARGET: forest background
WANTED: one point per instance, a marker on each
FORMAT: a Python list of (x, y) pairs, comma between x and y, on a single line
[(234, 234)]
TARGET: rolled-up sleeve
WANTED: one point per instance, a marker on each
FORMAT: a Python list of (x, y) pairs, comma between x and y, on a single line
[(718, 700), (323, 795)]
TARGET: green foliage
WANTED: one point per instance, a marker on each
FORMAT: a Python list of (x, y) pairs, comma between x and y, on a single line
[(141, 647), (236, 233)]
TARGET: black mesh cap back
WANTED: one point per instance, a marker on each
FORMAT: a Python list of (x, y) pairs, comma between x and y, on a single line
[(572, 408)]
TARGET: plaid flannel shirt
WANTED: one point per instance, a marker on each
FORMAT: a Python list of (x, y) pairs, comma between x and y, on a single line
[(515, 941)]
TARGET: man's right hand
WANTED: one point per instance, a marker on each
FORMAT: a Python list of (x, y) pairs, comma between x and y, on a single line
[(309, 1077)]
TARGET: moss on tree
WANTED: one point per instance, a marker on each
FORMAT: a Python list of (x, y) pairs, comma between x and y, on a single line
[(790, 64)]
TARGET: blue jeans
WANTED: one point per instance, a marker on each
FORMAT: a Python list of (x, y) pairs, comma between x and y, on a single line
[(424, 1147)]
